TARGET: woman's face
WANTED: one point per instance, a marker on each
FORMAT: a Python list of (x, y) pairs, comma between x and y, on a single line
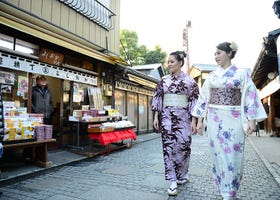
[(173, 64), (221, 57)]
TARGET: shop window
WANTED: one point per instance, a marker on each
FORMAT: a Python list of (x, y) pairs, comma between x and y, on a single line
[(26, 47), (20, 45), (6, 41)]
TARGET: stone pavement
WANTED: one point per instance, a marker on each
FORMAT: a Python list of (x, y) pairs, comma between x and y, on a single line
[(268, 148), (137, 173)]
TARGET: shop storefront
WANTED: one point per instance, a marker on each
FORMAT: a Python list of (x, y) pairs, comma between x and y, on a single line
[(80, 68), (133, 92), (266, 78)]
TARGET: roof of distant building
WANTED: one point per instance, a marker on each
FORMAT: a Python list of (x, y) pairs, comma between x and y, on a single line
[(205, 67), (152, 70), (148, 66)]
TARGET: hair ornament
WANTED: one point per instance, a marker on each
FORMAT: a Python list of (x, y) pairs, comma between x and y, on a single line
[(233, 46), (181, 55)]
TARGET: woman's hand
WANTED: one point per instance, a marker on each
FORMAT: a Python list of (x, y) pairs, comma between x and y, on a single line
[(156, 122), (251, 127), (193, 125), (200, 126)]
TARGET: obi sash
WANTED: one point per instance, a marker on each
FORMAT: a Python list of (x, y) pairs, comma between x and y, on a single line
[(225, 96), (175, 100)]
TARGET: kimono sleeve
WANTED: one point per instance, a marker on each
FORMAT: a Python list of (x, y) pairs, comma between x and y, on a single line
[(200, 108), (252, 107), (158, 97), (193, 94)]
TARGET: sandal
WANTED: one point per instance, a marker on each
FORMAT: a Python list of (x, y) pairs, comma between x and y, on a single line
[(183, 181), (172, 191)]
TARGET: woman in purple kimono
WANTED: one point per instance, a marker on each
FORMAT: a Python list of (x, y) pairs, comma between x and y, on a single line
[(230, 104), (174, 98)]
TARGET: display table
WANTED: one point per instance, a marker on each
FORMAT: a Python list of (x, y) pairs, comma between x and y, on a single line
[(80, 124), (106, 138)]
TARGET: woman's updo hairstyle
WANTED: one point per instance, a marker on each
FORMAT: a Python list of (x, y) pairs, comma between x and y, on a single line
[(228, 47), (179, 56)]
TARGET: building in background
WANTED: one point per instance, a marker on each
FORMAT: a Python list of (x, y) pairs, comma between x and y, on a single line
[(200, 72), (266, 78), (153, 70)]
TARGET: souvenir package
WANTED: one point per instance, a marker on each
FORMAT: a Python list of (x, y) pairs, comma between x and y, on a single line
[(20, 127), (43, 132)]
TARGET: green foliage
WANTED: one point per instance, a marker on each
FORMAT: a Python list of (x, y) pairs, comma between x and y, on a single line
[(138, 55)]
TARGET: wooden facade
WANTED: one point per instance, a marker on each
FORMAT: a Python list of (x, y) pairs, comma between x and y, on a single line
[(56, 22), (72, 47), (266, 78)]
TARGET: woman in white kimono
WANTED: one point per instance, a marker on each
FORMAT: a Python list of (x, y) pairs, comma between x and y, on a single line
[(230, 103)]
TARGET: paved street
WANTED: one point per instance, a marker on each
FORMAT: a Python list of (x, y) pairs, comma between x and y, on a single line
[(138, 174)]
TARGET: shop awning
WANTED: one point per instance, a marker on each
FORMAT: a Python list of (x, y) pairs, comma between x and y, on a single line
[(54, 35), (267, 61)]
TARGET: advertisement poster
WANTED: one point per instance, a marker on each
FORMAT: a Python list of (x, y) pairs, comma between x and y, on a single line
[(22, 85), (7, 78)]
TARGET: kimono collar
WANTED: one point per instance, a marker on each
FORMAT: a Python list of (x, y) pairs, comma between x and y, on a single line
[(181, 75), (231, 67)]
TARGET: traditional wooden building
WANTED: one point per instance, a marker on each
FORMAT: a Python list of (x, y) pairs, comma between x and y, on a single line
[(200, 72), (75, 44), (266, 78)]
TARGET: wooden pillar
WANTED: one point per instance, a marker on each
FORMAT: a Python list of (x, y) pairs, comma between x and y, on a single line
[(29, 94), (272, 108), (266, 107), (271, 114)]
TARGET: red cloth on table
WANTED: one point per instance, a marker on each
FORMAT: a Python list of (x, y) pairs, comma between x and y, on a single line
[(114, 136)]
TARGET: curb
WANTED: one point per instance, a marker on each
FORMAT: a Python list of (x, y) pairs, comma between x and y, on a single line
[(266, 163)]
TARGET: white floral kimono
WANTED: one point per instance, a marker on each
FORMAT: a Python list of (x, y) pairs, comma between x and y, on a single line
[(225, 123)]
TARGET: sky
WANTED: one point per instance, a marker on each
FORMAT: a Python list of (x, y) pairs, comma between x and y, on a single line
[(161, 22)]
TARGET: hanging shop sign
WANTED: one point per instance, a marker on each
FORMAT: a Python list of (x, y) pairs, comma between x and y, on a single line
[(51, 57), (131, 88), (31, 66)]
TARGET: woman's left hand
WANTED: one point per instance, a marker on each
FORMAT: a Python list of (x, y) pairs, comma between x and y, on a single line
[(193, 127), (251, 127)]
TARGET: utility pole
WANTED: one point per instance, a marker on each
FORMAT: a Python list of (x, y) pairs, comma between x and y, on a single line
[(186, 44)]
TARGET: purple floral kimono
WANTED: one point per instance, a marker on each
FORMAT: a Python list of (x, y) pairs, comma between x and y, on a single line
[(175, 123), (226, 124)]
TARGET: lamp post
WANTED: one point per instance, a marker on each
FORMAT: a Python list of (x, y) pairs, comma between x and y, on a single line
[(186, 44)]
